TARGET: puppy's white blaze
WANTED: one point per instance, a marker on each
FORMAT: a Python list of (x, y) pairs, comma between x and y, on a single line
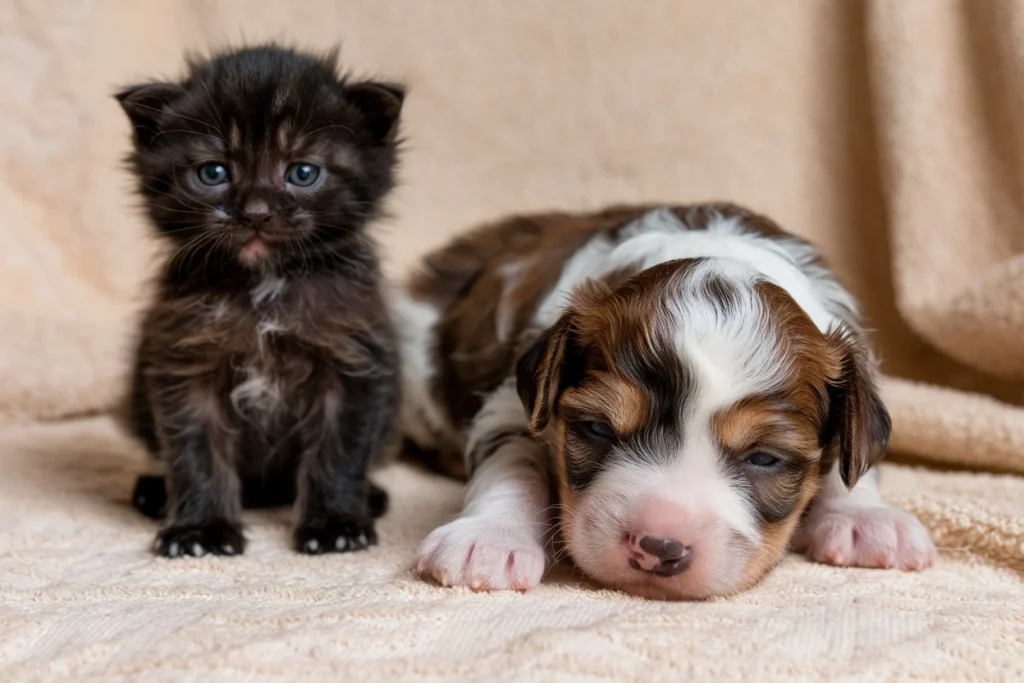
[(700, 473), (698, 482), (731, 356), (421, 416)]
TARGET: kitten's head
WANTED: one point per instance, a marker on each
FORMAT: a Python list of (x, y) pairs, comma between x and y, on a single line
[(265, 155)]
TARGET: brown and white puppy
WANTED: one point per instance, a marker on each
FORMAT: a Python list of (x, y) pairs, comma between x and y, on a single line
[(689, 386)]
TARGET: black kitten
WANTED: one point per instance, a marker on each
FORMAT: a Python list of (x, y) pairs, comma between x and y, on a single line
[(266, 371)]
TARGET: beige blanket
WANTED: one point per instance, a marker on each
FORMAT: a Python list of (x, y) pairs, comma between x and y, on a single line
[(890, 133)]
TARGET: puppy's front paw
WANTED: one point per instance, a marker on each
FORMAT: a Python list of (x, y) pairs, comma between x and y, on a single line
[(483, 555), (879, 537), (335, 534), (218, 537)]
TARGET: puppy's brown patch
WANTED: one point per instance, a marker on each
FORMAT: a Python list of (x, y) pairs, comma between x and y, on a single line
[(610, 397)]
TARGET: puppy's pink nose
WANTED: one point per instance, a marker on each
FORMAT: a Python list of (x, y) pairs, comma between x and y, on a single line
[(660, 556), (657, 543)]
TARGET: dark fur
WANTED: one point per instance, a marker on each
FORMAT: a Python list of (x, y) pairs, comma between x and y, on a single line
[(301, 312)]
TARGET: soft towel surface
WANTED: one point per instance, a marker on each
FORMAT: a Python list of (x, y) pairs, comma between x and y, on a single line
[(888, 132), (82, 599)]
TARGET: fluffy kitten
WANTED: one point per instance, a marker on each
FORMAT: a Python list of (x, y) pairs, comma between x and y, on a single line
[(266, 371)]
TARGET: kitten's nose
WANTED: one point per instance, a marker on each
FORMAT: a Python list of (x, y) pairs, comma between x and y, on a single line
[(256, 210)]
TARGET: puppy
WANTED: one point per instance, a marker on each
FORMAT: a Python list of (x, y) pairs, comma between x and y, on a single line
[(682, 393)]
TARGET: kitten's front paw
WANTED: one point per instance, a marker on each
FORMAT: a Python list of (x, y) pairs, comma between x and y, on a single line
[(483, 555), (877, 537), (219, 537), (335, 534)]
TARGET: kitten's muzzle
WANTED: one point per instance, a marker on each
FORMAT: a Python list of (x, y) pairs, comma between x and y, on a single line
[(256, 210)]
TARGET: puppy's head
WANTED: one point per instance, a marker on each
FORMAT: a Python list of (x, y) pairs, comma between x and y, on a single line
[(690, 412)]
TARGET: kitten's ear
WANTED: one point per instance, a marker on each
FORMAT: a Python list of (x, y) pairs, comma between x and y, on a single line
[(859, 424), (143, 103), (380, 104)]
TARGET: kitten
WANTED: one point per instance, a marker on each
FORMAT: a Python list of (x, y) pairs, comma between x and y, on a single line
[(266, 369)]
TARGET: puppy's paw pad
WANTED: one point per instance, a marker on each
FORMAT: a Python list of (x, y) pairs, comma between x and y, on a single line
[(215, 538), (875, 537), (482, 555), (337, 534)]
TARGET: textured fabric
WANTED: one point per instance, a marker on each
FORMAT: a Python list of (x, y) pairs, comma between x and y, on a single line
[(888, 132), (81, 598)]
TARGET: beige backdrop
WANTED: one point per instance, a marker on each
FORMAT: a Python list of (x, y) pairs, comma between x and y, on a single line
[(890, 133)]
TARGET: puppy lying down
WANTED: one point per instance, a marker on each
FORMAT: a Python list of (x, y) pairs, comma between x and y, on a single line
[(676, 394)]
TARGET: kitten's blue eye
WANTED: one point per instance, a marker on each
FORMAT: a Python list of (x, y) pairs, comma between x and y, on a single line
[(302, 175), (762, 460), (213, 174)]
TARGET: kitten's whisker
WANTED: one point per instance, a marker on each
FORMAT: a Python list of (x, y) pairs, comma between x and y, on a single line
[(198, 201), (161, 110), (309, 117), (330, 126), (213, 107), (176, 198), (216, 138), (187, 245)]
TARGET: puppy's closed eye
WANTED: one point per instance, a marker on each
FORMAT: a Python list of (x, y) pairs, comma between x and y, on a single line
[(762, 460), (595, 431)]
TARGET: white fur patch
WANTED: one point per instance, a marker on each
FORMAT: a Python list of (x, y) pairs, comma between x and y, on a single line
[(422, 418), (267, 289), (258, 394), (218, 309), (659, 236), (592, 260), (732, 355), (665, 238), (267, 327), (504, 317)]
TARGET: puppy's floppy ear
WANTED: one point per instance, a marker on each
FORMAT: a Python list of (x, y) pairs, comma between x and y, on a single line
[(551, 364), (858, 426), (380, 104), (144, 103)]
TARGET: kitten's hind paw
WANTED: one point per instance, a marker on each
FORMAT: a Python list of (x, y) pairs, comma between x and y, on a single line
[(335, 534), (218, 537)]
